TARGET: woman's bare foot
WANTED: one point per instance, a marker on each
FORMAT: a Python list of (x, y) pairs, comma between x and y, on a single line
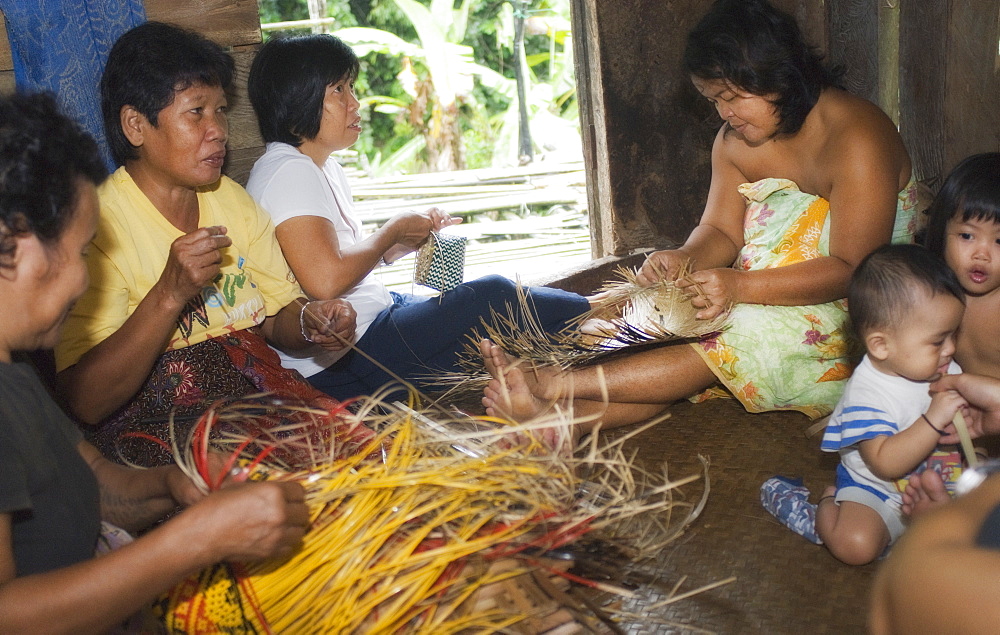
[(924, 491), (598, 298), (597, 331), (508, 393)]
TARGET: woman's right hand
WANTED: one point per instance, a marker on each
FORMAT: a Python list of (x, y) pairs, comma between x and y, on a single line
[(411, 228), (982, 395), (661, 265), (252, 521), (194, 261)]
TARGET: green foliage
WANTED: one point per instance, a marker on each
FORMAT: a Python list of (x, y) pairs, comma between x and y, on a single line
[(436, 73), (282, 10)]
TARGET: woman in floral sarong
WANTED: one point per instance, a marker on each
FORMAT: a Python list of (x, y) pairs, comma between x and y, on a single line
[(807, 179)]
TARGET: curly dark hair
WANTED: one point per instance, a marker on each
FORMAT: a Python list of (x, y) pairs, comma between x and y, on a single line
[(760, 50), (43, 153), (288, 81), (147, 66)]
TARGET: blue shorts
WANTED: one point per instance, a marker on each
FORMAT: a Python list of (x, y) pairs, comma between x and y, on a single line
[(850, 490)]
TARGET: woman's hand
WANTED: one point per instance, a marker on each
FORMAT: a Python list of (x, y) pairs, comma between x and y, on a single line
[(662, 265), (410, 230), (982, 410), (193, 263), (441, 219), (252, 521), (712, 290), (184, 491), (329, 323)]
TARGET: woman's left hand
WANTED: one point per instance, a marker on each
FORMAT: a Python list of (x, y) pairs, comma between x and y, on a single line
[(441, 219), (713, 291), (187, 493), (330, 323), (182, 488)]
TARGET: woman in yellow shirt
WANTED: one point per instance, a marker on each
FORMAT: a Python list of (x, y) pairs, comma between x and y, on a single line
[(187, 281)]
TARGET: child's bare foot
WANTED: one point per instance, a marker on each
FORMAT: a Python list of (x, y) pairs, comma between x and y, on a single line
[(924, 491)]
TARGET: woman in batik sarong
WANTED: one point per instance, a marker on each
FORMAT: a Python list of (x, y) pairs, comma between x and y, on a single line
[(807, 179), (186, 279)]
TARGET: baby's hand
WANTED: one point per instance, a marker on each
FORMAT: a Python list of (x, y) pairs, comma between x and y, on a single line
[(944, 405)]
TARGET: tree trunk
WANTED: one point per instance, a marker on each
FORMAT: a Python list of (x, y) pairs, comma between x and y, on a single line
[(317, 10), (525, 153)]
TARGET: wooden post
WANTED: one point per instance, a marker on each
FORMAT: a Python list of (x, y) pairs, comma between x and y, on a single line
[(525, 151)]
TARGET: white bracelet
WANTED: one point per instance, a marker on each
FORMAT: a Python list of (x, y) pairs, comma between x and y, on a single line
[(302, 323)]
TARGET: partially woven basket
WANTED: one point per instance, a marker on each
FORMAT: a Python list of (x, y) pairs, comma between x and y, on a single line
[(440, 262)]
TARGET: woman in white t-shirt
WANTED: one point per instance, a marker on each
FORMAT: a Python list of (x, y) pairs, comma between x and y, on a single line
[(302, 90)]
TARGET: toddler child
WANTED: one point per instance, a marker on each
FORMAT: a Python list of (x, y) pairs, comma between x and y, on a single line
[(905, 306), (964, 229)]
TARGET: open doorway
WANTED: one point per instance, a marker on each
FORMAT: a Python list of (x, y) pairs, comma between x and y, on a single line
[(470, 106)]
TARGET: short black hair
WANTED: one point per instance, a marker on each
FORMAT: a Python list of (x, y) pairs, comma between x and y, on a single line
[(885, 286), (147, 66), (760, 50), (972, 188), (288, 81), (43, 155)]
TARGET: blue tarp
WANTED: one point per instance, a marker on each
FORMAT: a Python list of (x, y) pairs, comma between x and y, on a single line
[(61, 46)]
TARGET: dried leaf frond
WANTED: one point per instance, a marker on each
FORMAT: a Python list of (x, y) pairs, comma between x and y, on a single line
[(406, 529)]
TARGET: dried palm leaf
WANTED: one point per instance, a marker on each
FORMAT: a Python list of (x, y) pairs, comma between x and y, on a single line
[(627, 314), (408, 529)]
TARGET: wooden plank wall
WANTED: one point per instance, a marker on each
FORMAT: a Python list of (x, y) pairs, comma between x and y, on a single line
[(949, 82), (233, 24)]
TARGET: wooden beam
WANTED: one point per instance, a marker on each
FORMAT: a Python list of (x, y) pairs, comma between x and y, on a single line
[(227, 22), (6, 62), (587, 63), (243, 129), (971, 123), (888, 59), (648, 136), (923, 42)]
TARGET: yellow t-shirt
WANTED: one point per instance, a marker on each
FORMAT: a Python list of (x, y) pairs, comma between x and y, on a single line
[(130, 250)]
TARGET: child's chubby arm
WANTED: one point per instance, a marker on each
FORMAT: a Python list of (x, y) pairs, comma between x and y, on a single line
[(893, 456)]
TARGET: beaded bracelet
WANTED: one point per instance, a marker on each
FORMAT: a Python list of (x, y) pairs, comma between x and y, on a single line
[(933, 427), (302, 323)]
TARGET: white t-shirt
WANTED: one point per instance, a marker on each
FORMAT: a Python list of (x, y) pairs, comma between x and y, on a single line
[(287, 184), (874, 404)]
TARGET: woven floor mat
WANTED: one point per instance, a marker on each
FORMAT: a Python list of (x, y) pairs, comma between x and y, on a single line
[(784, 583)]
